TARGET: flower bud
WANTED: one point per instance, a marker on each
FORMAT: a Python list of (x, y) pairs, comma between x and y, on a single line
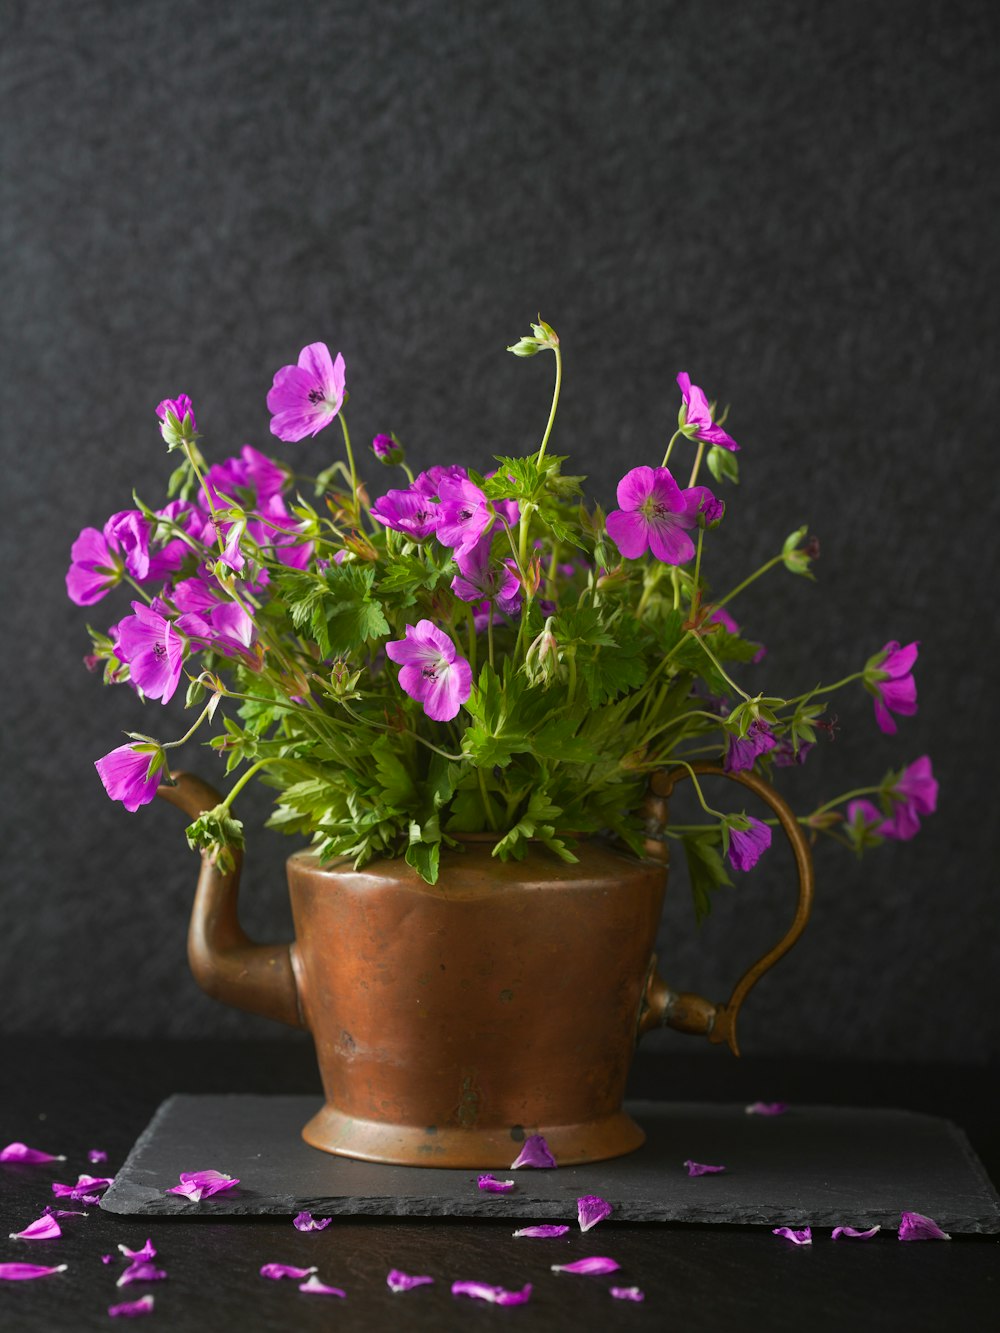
[(799, 557), (388, 450), (177, 423)]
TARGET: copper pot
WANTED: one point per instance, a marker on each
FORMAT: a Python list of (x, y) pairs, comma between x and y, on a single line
[(453, 1020)]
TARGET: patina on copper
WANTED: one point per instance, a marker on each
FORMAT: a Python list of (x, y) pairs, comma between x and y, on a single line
[(452, 1020)]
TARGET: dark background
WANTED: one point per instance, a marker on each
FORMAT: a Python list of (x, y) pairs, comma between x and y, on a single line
[(795, 203)]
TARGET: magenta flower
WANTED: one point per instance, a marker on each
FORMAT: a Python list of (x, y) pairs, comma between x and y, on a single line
[(786, 755), (655, 515), (125, 775), (743, 754), (100, 560), (180, 407), (227, 628), (387, 449), (86, 1188), (305, 398), (431, 670), (697, 423), (429, 483), (153, 651), (746, 846), (480, 577), (534, 1152), (889, 677), (915, 1226), (465, 513), (409, 511), (915, 793)]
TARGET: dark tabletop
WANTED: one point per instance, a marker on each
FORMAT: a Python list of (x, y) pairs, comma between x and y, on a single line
[(69, 1097)]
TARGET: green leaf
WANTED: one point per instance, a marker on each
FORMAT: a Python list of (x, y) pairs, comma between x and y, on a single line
[(558, 740), (397, 786), (425, 859), (706, 868)]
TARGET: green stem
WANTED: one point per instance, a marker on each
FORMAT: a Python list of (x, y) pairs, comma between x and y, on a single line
[(776, 560), (244, 779), (718, 666), (350, 463), (696, 589), (826, 689), (489, 634), (716, 814), (848, 796), (209, 708), (138, 588), (555, 403), (697, 463), (673, 439), (189, 455), (491, 818), (471, 618)]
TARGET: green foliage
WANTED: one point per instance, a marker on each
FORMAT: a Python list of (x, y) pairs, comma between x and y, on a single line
[(705, 867)]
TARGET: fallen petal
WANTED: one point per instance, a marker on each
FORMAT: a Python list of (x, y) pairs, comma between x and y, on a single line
[(22, 1272), (542, 1232), (107, 1258), (317, 1288), (915, 1226), (20, 1152), (482, 1291), (802, 1237), (702, 1169), (535, 1152), (65, 1212), (590, 1210), (198, 1185), (43, 1228), (766, 1108), (489, 1182), (142, 1271), (628, 1293), (277, 1271), (306, 1222), (398, 1281), (97, 1155), (148, 1251), (594, 1263), (129, 1309), (851, 1234), (86, 1188)]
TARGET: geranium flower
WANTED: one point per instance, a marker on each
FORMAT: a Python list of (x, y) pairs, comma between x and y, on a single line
[(889, 677), (465, 513), (125, 775), (431, 670), (429, 482), (747, 846), (387, 449), (480, 577), (743, 754), (305, 398), (153, 651), (917, 790), (100, 560), (182, 410), (655, 515), (410, 511), (697, 416)]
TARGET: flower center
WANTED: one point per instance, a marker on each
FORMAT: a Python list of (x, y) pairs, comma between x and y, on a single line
[(655, 511), (159, 651), (317, 396)]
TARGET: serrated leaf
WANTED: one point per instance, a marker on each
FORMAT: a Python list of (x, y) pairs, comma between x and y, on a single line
[(705, 867)]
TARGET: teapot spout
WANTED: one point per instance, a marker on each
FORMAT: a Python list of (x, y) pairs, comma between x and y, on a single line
[(225, 962)]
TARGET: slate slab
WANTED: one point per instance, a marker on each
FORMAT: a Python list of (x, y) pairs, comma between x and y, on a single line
[(816, 1165)]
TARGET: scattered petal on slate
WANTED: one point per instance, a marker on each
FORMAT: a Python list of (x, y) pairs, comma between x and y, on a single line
[(316, 1288), (399, 1281), (535, 1152), (590, 1210), (490, 1183), (543, 1232), (20, 1152), (628, 1293), (482, 1291), (198, 1185), (702, 1169), (594, 1263), (65, 1212), (43, 1228), (306, 1222), (140, 1271), (148, 1251), (915, 1226), (852, 1234), (22, 1272), (276, 1271), (766, 1108), (801, 1237), (87, 1188), (129, 1309), (97, 1155)]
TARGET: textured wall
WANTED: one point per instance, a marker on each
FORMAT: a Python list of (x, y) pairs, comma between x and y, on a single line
[(796, 203)]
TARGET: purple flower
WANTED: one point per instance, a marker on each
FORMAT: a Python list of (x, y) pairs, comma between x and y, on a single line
[(177, 423), (697, 416), (100, 560), (746, 846), (786, 755), (915, 1226), (153, 651), (429, 483), (800, 1237), (743, 754), (482, 1291), (387, 449), (489, 1182), (125, 774), (544, 1232), (409, 511), (400, 1281), (702, 1169), (480, 577), (889, 677), (534, 1152), (305, 398), (655, 515), (590, 1209), (431, 670), (915, 792), (465, 513), (227, 628)]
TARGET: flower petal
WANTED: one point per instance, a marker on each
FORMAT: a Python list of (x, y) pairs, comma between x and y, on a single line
[(593, 1264), (766, 1108), (590, 1210), (482, 1291), (627, 1293), (801, 1237), (24, 1272), (490, 1183), (148, 1251), (852, 1234), (20, 1152), (399, 1281), (140, 1271), (306, 1222), (315, 1287), (278, 1271), (629, 532), (542, 1232), (915, 1226), (535, 1152), (43, 1228), (86, 1188), (197, 1185), (636, 487), (96, 1155), (129, 1309), (702, 1169)]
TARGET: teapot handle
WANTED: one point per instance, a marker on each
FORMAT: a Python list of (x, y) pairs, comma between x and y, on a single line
[(683, 1010)]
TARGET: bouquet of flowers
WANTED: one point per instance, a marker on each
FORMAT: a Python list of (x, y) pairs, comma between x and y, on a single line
[(465, 654)]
